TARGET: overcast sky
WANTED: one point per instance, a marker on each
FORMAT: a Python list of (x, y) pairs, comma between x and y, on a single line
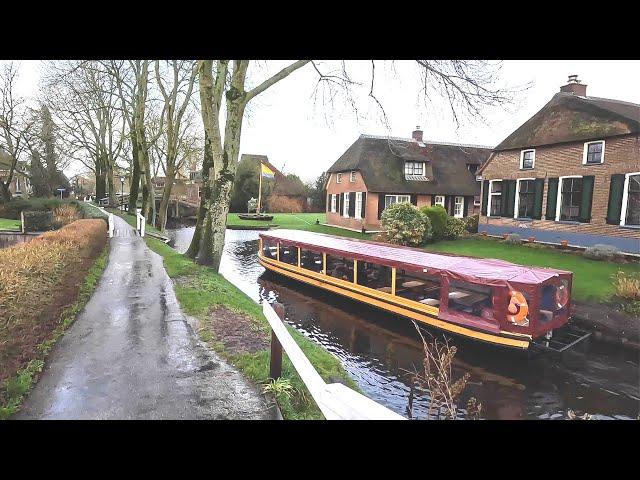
[(305, 136)]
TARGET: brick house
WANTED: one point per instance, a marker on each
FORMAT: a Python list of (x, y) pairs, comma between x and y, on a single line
[(20, 185), (378, 171), (571, 172)]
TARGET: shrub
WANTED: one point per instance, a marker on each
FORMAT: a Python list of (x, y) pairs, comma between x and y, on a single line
[(472, 223), (456, 228), (513, 239), (283, 204), (34, 285), (65, 214), (404, 224), (627, 285), (601, 252), (438, 218)]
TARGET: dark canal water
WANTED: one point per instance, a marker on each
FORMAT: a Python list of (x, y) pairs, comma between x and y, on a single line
[(377, 349)]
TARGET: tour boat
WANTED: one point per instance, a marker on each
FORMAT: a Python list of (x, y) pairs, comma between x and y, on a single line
[(483, 299)]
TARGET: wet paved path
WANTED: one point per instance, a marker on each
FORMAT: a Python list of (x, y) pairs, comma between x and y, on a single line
[(132, 355)]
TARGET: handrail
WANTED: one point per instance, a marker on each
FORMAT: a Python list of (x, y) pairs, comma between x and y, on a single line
[(336, 401)]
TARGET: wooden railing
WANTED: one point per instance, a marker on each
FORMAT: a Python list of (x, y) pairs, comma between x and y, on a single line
[(336, 401)]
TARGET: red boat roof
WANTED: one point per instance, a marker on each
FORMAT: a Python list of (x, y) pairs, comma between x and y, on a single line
[(478, 268)]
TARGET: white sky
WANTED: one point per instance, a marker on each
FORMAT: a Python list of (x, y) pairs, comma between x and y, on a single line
[(306, 137)]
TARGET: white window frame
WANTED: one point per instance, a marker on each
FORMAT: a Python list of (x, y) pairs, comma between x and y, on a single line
[(397, 197), (436, 202), (358, 208), (492, 193), (334, 203), (516, 205), (586, 149), (559, 195), (522, 152), (456, 204), (625, 198), (338, 178), (413, 166), (352, 176), (345, 205)]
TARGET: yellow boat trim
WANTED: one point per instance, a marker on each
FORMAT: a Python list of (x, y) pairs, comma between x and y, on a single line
[(467, 332)]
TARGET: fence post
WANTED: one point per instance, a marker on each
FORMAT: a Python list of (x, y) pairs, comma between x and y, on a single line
[(275, 363), (111, 226)]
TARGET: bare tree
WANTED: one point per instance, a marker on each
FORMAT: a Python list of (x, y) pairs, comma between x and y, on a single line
[(13, 125), (177, 96), (468, 86), (84, 100)]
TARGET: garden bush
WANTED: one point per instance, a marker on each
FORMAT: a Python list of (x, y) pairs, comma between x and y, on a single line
[(36, 283), (627, 285), (404, 224), (13, 208), (438, 219), (514, 239), (456, 228), (282, 204), (601, 252), (472, 223)]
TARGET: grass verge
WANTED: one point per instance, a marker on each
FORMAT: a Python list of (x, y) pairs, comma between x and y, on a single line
[(9, 224), (592, 279), (201, 291), (16, 387)]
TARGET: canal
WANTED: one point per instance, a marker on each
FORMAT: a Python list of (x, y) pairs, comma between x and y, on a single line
[(379, 350)]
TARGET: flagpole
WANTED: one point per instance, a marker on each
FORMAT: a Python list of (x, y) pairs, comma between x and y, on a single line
[(259, 189)]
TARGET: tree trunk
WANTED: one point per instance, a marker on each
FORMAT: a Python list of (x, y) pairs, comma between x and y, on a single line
[(135, 177), (224, 171), (164, 201), (207, 164), (113, 201), (5, 194)]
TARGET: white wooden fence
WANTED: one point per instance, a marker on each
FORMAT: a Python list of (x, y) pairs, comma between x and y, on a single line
[(336, 401), (141, 222)]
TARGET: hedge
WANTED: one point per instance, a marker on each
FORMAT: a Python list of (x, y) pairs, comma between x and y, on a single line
[(38, 280)]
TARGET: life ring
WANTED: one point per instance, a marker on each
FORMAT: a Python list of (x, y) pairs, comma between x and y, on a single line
[(518, 308), (562, 295)]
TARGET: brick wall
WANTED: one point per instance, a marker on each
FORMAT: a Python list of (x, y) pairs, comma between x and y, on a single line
[(370, 221), (621, 155)]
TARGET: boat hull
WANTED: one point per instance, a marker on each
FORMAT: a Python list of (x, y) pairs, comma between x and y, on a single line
[(396, 305)]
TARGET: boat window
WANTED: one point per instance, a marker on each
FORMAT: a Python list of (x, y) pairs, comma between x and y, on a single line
[(423, 287), (471, 299), (311, 260), (289, 254), (554, 300), (269, 248), (374, 276), (340, 267)]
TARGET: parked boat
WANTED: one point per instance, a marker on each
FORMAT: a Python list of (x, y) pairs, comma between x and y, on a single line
[(483, 299)]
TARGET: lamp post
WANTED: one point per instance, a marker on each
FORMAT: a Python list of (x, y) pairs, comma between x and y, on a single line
[(122, 193)]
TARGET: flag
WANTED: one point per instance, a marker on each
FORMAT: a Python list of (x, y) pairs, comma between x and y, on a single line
[(266, 171)]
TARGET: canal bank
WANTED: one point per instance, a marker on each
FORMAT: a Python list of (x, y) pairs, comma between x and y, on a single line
[(379, 350)]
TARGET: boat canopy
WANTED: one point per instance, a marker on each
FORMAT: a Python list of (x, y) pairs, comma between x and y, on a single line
[(484, 270)]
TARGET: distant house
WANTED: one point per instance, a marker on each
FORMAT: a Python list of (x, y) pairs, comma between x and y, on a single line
[(20, 185), (284, 195), (571, 172), (378, 171)]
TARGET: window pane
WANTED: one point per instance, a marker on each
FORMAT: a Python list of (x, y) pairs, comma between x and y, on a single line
[(571, 198), (496, 187), (633, 201), (526, 199)]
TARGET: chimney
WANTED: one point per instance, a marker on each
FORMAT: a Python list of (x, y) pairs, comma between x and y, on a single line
[(574, 87), (417, 134)]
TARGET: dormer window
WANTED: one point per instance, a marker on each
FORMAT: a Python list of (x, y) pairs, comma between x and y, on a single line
[(352, 177), (593, 153), (527, 159), (413, 168)]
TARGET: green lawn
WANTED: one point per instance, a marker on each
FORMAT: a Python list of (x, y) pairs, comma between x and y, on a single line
[(591, 278), (9, 224), (297, 221)]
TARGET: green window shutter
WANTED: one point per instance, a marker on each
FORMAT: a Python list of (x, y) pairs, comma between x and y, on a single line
[(616, 190), (380, 205), (537, 204), (508, 197), (352, 205), (552, 198), (414, 200), (485, 197), (587, 197), (363, 211)]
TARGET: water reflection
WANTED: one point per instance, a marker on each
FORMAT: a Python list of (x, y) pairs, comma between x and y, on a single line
[(378, 349)]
